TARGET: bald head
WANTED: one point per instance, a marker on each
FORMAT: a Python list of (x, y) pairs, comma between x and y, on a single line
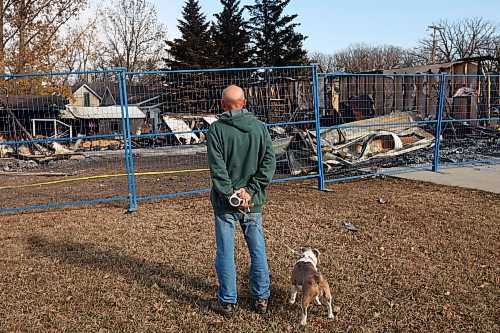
[(233, 98)]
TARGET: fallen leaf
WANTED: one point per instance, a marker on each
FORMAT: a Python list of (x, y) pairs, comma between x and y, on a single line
[(350, 226), (446, 309)]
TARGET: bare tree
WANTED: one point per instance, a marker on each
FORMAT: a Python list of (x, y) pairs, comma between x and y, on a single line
[(80, 49), (325, 61), (364, 58), (29, 32), (493, 66), (465, 38), (133, 35)]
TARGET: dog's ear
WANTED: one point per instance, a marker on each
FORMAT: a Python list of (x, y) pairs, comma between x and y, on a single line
[(316, 252)]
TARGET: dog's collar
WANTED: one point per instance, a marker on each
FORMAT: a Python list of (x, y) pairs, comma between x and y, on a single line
[(307, 258)]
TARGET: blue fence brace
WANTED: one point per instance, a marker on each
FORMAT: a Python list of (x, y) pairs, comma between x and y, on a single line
[(125, 125), (128, 143), (321, 173), (435, 163)]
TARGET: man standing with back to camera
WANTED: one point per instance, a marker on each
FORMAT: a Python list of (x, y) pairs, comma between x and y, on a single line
[(242, 164)]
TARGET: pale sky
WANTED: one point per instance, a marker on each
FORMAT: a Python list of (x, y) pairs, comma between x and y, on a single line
[(332, 25)]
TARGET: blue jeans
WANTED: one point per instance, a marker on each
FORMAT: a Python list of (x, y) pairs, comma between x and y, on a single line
[(225, 231)]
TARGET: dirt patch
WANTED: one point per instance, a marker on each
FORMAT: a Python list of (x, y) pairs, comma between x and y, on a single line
[(424, 261)]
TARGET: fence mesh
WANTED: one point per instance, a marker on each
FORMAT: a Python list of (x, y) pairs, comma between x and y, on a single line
[(169, 151), (61, 140), (377, 123), (471, 119), (97, 136)]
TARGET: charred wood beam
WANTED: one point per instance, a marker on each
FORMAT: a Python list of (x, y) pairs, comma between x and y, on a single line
[(26, 132)]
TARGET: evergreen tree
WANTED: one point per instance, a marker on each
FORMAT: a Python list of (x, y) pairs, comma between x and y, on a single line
[(274, 37), (231, 38), (193, 50), (211, 48)]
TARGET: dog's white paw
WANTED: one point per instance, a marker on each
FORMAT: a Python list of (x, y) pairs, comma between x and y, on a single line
[(330, 315), (303, 319), (291, 301)]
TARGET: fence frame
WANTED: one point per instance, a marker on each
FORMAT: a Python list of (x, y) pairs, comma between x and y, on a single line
[(132, 197), (315, 101), (434, 166), (71, 203)]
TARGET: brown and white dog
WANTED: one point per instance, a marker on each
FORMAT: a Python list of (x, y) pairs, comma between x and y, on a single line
[(305, 276)]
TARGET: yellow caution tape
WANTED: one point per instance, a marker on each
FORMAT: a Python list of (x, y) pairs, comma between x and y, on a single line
[(151, 173)]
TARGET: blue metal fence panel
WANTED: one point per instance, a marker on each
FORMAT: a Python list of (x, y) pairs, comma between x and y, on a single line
[(169, 151), (374, 124), (455, 114), (61, 140), (471, 120), (101, 136)]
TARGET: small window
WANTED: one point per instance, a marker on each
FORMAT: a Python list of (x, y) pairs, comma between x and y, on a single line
[(86, 99), (114, 126)]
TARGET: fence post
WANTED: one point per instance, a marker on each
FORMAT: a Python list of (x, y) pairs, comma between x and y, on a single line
[(129, 160), (321, 173), (435, 164)]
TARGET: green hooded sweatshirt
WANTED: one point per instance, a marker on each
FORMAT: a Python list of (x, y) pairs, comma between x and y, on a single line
[(240, 155)]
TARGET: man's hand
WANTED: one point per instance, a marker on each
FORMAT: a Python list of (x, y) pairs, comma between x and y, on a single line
[(243, 194)]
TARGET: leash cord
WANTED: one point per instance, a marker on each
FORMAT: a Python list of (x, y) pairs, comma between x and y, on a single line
[(276, 239), (270, 234)]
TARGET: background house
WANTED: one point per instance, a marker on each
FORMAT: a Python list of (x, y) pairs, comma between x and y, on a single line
[(95, 109), (144, 105)]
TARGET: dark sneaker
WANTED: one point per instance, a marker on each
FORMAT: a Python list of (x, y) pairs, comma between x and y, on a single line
[(227, 310), (261, 306)]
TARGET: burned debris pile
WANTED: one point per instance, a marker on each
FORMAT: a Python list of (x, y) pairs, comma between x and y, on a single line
[(400, 139), (356, 143), (34, 148)]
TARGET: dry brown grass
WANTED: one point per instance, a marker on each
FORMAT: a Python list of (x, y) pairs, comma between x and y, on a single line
[(425, 261)]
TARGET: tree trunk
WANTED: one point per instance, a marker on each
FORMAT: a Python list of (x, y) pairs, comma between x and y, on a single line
[(22, 37), (2, 46)]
